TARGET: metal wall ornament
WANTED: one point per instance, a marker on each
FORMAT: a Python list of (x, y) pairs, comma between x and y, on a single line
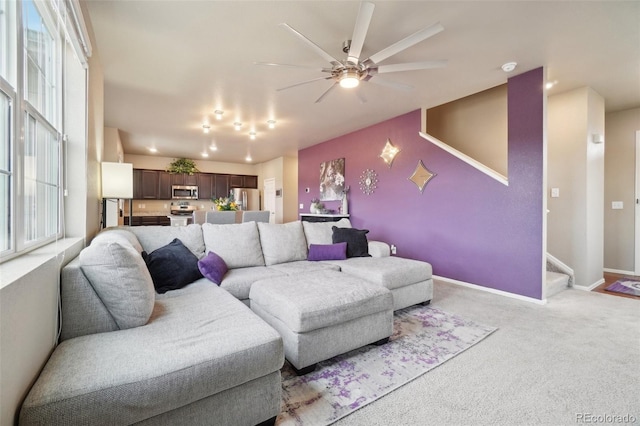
[(421, 176), (368, 181), (389, 153)]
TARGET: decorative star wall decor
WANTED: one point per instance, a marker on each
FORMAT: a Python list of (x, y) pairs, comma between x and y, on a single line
[(389, 153), (368, 181), (421, 176)]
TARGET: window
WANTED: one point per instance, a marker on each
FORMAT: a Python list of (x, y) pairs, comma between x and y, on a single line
[(5, 173), (34, 59)]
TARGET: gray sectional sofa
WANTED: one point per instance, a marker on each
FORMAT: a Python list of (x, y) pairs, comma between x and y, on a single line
[(207, 353)]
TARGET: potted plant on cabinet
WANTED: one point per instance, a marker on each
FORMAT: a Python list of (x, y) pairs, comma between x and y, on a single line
[(183, 165)]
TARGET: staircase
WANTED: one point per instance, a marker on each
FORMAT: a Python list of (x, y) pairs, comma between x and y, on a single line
[(559, 277)]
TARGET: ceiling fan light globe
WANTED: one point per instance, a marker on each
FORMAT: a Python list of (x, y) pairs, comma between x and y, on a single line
[(349, 82)]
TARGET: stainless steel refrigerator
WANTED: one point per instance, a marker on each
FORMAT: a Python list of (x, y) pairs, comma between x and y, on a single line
[(246, 198)]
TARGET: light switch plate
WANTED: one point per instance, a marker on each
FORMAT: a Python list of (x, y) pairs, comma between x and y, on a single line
[(617, 205), (555, 192), (301, 206)]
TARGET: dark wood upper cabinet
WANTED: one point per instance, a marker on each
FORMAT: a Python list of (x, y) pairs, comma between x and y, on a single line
[(251, 181), (206, 186), (137, 184), (221, 186), (149, 184), (236, 181), (184, 179), (164, 185)]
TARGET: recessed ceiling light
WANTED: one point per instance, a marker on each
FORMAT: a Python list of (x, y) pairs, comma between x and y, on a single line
[(252, 135), (205, 154), (550, 84), (153, 150), (206, 128), (213, 148), (237, 125), (509, 66), (271, 124), (218, 113), (248, 158)]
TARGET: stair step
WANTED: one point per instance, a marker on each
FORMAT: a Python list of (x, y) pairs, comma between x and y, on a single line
[(555, 283)]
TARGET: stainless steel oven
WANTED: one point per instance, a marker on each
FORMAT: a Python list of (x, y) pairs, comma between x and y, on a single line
[(184, 192)]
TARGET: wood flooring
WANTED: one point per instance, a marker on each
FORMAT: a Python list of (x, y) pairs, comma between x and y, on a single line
[(610, 278)]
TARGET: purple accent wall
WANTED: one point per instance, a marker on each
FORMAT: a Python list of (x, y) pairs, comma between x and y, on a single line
[(467, 225)]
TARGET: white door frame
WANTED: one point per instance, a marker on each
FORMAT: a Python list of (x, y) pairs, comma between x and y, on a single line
[(637, 206)]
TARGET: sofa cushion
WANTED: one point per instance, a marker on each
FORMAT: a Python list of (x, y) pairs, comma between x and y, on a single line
[(356, 239), (191, 348), (213, 267), (124, 234), (391, 272), (303, 266), (304, 302), (121, 280), (172, 266), (238, 281), (153, 237), (336, 251), (321, 232), (282, 243), (237, 243)]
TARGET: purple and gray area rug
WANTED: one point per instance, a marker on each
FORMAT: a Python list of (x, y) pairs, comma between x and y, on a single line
[(626, 287), (424, 337)]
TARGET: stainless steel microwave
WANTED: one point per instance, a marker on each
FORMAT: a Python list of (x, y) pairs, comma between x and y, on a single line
[(184, 192)]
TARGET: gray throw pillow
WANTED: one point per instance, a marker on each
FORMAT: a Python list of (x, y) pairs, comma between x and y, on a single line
[(282, 243), (121, 280), (238, 244), (321, 232)]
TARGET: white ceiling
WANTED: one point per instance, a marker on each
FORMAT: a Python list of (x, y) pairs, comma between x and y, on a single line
[(169, 64)]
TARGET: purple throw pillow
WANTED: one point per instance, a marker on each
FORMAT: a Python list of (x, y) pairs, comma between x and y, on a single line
[(213, 267), (327, 251)]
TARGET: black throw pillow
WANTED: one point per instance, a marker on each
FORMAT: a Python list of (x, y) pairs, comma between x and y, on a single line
[(356, 239), (172, 266)]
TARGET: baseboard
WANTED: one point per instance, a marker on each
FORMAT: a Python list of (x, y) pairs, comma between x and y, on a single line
[(491, 290), (619, 271), (590, 287)]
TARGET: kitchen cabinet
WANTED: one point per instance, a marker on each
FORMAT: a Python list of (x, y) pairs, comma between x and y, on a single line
[(206, 186), (137, 184), (250, 182), (149, 184), (184, 179), (236, 181), (148, 221), (164, 185), (221, 186)]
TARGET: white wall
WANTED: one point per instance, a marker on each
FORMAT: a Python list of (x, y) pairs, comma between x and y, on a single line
[(576, 168), (619, 178)]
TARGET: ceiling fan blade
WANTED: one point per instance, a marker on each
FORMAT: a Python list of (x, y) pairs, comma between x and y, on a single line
[(411, 66), (326, 92), (405, 43), (393, 84), (361, 98), (360, 31), (311, 44), (304, 82), (271, 64)]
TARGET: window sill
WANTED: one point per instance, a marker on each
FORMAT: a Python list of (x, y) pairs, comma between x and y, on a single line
[(63, 250)]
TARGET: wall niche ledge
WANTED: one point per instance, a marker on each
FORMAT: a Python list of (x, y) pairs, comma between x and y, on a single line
[(470, 161)]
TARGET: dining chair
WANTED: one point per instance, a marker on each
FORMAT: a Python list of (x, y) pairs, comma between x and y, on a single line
[(221, 217), (256, 216)]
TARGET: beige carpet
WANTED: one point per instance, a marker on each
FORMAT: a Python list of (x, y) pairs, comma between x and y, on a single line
[(555, 364)]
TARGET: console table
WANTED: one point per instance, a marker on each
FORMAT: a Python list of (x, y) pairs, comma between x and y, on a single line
[(321, 217)]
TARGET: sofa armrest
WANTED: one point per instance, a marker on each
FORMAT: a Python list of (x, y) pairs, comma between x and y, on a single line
[(379, 249)]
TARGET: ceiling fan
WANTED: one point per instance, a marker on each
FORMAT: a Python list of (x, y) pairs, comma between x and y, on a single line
[(350, 72)]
